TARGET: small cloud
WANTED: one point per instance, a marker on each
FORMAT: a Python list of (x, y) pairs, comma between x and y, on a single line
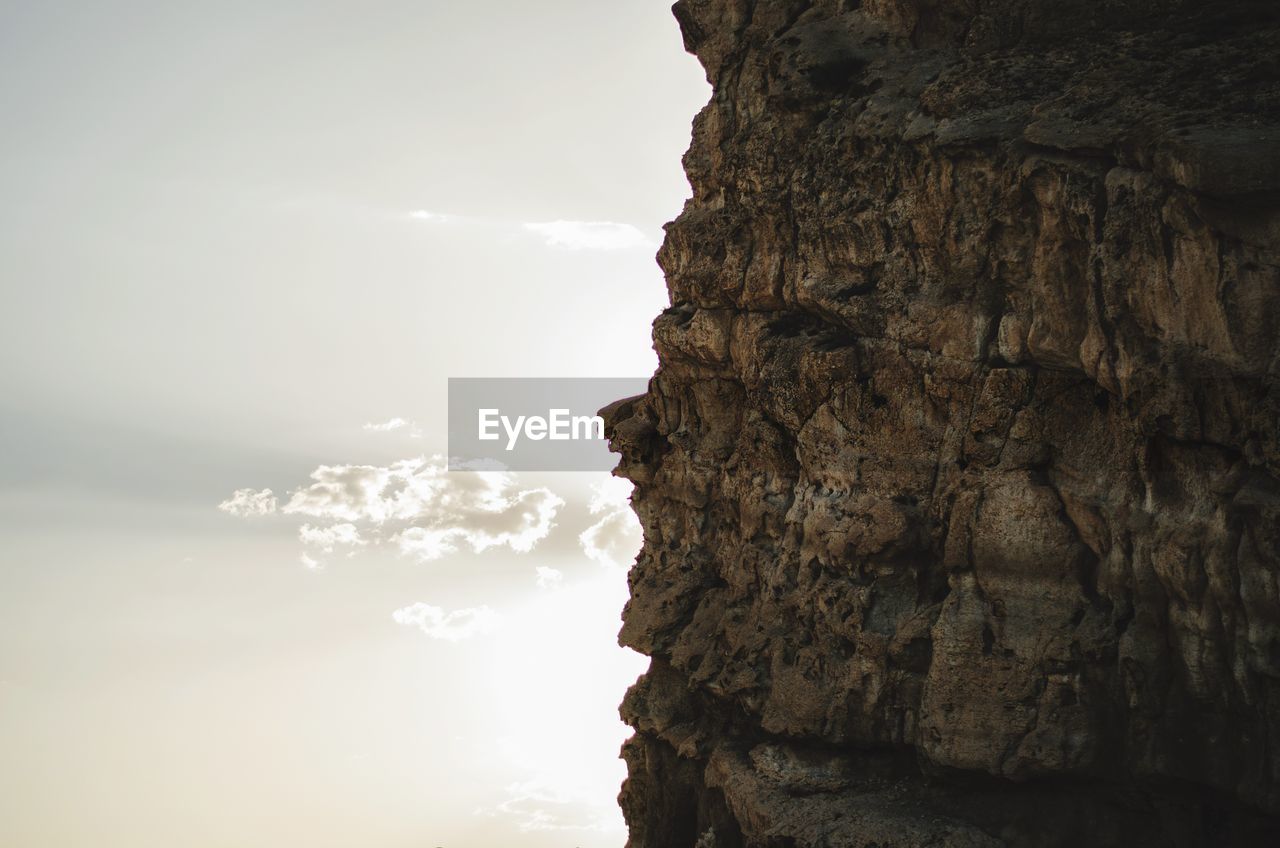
[(310, 562), (453, 626), (590, 235), (249, 503), (326, 538), (427, 216), (386, 426), (392, 425), (539, 806), (549, 578)]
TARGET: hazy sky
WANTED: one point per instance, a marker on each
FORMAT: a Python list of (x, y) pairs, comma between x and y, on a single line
[(236, 241)]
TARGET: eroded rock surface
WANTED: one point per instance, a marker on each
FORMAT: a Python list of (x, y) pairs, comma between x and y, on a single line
[(960, 476)]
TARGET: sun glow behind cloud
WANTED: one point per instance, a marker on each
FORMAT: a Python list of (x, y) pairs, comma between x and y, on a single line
[(551, 672), (554, 672)]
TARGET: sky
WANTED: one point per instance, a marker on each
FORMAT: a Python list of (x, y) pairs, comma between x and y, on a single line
[(243, 246)]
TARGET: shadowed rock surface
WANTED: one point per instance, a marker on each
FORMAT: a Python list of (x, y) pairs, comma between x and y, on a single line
[(960, 475)]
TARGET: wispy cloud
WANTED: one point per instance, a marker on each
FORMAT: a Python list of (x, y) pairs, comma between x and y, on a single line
[(250, 503), (310, 562), (392, 425), (386, 426), (560, 233), (452, 626), (538, 805), (590, 235), (549, 578)]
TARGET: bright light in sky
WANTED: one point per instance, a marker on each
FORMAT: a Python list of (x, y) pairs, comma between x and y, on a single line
[(554, 681), (242, 248), (591, 235)]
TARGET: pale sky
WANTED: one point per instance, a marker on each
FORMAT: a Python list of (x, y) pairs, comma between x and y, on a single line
[(243, 245)]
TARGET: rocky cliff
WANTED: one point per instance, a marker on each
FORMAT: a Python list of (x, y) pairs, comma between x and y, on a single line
[(960, 475)]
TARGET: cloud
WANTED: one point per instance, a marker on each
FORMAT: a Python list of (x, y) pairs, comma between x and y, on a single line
[(451, 626), (429, 217), (415, 505), (549, 578), (610, 494), (393, 424), (326, 538), (571, 235), (537, 805), (483, 520), (249, 503), (310, 562), (386, 426), (483, 463), (590, 235), (615, 538)]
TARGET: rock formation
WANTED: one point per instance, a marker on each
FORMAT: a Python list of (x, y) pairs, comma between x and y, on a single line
[(960, 475)]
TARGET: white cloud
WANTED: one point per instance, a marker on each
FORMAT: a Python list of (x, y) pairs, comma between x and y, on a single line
[(248, 503), (310, 562), (452, 626), (537, 805), (392, 425), (416, 505), (484, 519), (615, 538), (590, 235), (549, 578), (610, 494), (429, 217), (326, 537), (386, 426), (572, 235)]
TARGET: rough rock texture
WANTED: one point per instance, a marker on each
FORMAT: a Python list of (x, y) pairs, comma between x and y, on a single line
[(960, 476)]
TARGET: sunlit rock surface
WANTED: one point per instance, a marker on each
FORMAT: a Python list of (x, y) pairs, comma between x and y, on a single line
[(960, 476)]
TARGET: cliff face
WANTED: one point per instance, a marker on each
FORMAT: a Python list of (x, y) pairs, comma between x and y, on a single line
[(960, 476)]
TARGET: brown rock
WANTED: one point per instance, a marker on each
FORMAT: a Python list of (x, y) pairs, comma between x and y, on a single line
[(960, 475)]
